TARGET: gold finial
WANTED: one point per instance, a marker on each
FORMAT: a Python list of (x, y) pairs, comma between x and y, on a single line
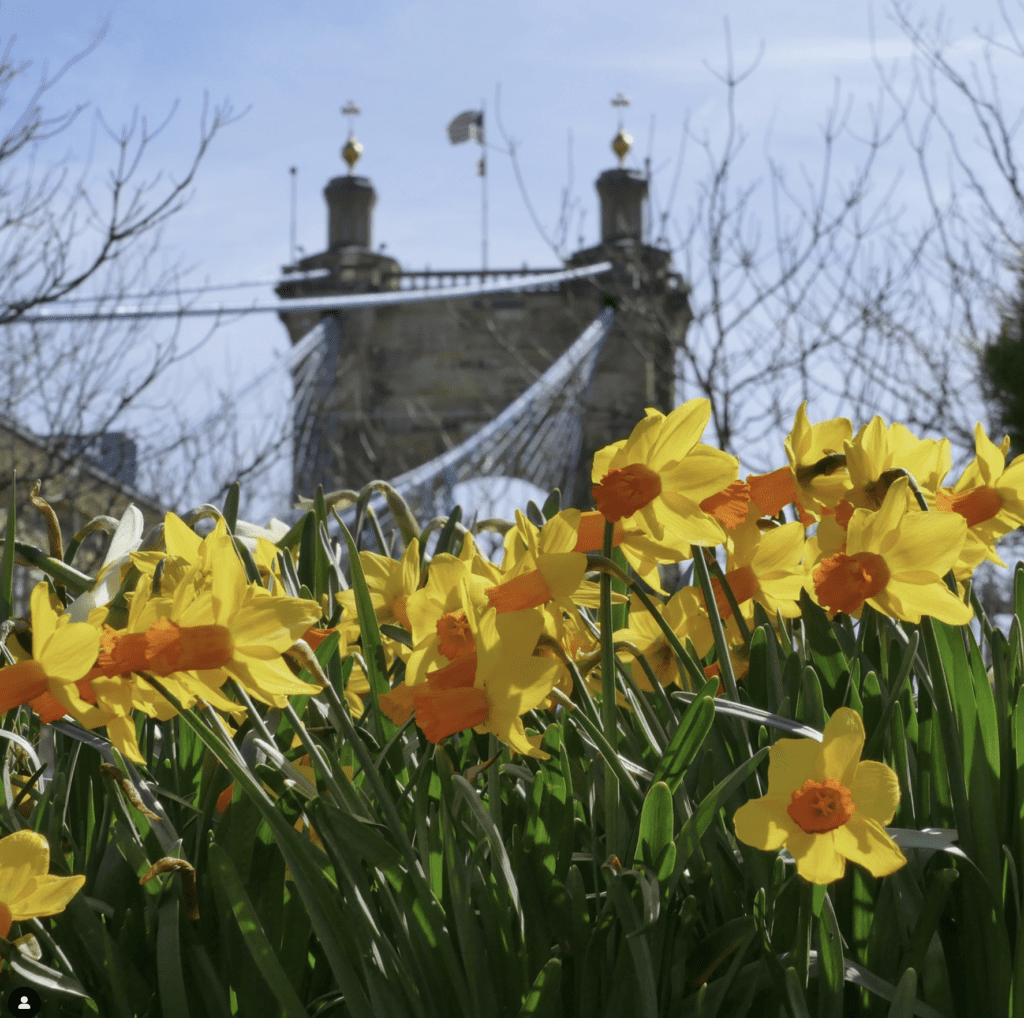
[(622, 142), (352, 150)]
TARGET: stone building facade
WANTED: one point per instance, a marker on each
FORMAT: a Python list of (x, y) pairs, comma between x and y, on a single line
[(400, 384), (81, 478)]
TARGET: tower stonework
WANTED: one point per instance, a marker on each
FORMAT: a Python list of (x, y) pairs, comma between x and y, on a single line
[(403, 383), (623, 195), (350, 202)]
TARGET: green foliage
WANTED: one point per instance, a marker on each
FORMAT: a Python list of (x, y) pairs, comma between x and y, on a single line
[(606, 879)]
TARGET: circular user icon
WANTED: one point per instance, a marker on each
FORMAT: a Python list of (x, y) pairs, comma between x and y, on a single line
[(24, 1001)]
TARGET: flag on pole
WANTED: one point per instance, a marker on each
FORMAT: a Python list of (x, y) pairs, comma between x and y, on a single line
[(468, 126)]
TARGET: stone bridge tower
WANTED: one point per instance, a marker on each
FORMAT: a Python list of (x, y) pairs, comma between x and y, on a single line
[(400, 384)]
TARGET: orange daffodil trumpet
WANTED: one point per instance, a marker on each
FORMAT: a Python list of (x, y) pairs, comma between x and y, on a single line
[(816, 477), (825, 805)]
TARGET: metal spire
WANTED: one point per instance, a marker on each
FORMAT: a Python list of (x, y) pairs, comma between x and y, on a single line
[(353, 149)]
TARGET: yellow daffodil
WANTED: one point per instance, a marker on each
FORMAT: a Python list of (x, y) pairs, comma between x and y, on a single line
[(990, 496), (440, 628), (490, 687), (658, 477), (27, 890), (875, 450), (826, 805), (816, 477), (685, 614), (201, 636), (895, 560), (390, 585), (764, 566), (62, 654), (541, 566)]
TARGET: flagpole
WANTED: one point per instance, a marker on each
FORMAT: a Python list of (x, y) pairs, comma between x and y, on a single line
[(291, 254), (483, 190)]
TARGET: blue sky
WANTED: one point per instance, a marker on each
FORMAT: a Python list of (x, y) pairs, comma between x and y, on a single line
[(411, 67)]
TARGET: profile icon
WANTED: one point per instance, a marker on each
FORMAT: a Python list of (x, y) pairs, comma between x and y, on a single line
[(24, 1001)]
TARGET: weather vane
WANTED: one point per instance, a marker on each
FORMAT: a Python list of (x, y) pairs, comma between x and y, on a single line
[(620, 99), (352, 150), (622, 142)]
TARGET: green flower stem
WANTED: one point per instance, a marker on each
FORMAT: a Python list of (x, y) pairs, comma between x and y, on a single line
[(800, 958), (721, 646), (609, 712), (686, 662), (700, 566), (611, 759), (315, 755), (741, 622)]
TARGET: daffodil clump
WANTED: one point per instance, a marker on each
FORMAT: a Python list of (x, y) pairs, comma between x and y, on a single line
[(857, 525)]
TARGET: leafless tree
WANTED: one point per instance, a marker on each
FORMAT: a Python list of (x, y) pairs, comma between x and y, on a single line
[(834, 295), (84, 396)]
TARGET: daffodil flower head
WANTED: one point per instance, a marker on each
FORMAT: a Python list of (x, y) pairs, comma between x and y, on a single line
[(488, 688), (686, 616), (27, 890), (825, 805), (876, 450), (390, 584), (658, 477), (895, 560), (440, 630), (765, 566), (819, 484), (990, 496), (544, 566), (62, 654)]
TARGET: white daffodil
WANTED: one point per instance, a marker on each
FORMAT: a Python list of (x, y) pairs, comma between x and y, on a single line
[(127, 538)]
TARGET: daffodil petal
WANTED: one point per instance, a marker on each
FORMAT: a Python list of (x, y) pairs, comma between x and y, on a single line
[(562, 571), (180, 539), (764, 823), (511, 731), (928, 541), (521, 684), (269, 681), (842, 745), (817, 859), (273, 623), (681, 430), (876, 791), (14, 880), (933, 599), (864, 841), (790, 763), (49, 896), (28, 848), (70, 652), (44, 618), (683, 520), (121, 732)]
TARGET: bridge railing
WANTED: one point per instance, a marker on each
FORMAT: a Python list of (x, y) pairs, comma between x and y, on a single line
[(439, 279)]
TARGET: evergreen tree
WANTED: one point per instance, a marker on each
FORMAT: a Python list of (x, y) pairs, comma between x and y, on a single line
[(1002, 363)]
